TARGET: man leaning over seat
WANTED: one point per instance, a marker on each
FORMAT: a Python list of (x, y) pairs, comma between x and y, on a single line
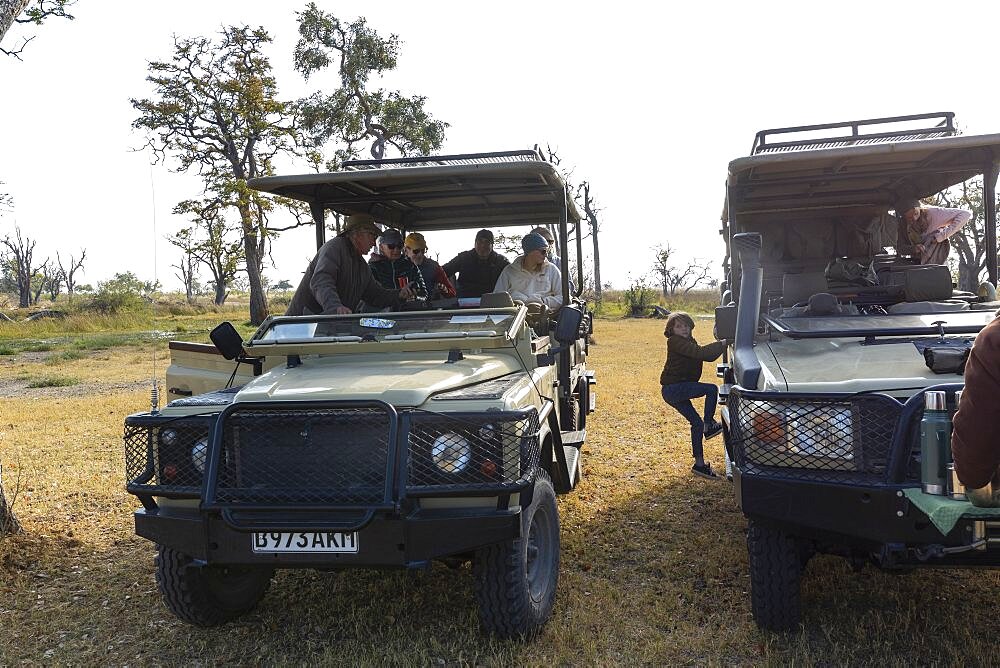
[(531, 278)]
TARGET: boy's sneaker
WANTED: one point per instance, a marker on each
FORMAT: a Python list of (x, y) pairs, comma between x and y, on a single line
[(704, 471), (712, 429)]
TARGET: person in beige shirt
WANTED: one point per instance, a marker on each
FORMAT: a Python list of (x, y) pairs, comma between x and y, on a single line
[(531, 278)]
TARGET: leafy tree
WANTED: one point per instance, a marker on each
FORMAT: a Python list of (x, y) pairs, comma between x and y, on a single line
[(207, 241), (29, 11), (352, 113), (216, 110), (122, 292)]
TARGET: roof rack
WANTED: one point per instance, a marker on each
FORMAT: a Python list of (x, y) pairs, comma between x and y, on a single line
[(944, 127), (525, 155)]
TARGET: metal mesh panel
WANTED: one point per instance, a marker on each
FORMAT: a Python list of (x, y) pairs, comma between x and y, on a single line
[(829, 439), (332, 456), (466, 452), (165, 456)]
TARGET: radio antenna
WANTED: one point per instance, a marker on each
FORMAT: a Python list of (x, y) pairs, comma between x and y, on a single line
[(154, 393)]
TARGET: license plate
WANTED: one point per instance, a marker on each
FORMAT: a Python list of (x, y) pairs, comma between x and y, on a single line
[(308, 541)]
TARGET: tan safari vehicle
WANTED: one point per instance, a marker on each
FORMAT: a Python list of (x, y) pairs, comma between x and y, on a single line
[(839, 332), (377, 439)]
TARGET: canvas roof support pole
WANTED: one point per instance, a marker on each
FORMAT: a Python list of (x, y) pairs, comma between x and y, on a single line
[(563, 244), (579, 257), (316, 209), (990, 210)]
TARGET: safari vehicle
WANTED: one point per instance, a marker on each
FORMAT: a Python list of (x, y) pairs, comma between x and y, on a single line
[(825, 382), (377, 440)]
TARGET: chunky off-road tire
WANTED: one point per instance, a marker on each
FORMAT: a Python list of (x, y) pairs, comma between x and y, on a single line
[(775, 578), (516, 580), (208, 595)]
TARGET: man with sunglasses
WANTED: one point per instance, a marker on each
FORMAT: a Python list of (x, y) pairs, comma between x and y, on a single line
[(433, 283), (390, 269)]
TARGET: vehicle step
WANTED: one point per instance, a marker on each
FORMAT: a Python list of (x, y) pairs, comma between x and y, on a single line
[(573, 464), (574, 438)]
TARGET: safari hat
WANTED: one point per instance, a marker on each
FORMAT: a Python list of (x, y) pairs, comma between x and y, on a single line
[(361, 221)]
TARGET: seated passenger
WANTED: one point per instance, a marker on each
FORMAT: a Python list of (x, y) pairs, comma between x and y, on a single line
[(477, 269), (432, 282), (531, 278), (389, 267), (926, 229), (974, 445)]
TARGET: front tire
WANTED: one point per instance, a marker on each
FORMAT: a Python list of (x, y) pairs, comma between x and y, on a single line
[(775, 578), (516, 580), (208, 595)]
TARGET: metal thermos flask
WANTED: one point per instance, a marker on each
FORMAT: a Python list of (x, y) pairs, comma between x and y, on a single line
[(935, 443)]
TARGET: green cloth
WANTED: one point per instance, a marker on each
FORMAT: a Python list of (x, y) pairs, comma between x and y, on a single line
[(945, 512)]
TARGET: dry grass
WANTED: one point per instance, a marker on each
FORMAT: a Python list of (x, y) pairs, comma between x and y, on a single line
[(653, 565)]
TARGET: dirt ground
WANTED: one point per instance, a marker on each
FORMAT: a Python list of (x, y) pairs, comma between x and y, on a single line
[(653, 572)]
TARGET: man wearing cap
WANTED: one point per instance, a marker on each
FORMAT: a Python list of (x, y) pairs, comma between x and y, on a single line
[(432, 283), (338, 278), (389, 267), (477, 269), (531, 278), (925, 230)]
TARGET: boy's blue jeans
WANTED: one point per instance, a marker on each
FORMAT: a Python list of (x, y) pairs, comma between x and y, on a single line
[(679, 395)]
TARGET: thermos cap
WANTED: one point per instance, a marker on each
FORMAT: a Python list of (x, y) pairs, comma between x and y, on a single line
[(935, 400)]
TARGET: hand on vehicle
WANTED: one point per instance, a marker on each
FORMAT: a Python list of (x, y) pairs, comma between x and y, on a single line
[(342, 310)]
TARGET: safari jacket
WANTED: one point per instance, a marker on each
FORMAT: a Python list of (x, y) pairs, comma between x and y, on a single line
[(338, 276)]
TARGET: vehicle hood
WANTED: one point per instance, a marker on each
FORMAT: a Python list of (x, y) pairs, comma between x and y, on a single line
[(849, 365), (401, 382)]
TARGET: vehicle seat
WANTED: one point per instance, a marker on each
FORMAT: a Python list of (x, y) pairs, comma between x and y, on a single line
[(929, 283), (496, 300), (796, 288), (929, 307)]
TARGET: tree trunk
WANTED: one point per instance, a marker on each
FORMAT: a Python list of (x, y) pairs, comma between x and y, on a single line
[(258, 300), (8, 521), (220, 292), (592, 218), (10, 10)]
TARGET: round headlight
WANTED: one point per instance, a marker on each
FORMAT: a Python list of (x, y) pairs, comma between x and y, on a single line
[(168, 437), (451, 453), (198, 454)]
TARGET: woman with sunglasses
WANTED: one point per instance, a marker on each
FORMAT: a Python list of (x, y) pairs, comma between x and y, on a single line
[(433, 283)]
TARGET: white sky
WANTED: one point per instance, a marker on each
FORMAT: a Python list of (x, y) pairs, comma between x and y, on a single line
[(649, 101)]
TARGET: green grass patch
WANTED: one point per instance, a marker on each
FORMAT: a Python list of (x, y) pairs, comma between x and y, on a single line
[(54, 381), (37, 348), (7, 349)]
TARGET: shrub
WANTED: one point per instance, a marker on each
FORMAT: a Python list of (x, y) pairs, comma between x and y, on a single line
[(638, 298), (53, 381), (124, 292)]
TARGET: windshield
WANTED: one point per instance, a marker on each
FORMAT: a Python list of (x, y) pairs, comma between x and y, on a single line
[(387, 327), (961, 322)]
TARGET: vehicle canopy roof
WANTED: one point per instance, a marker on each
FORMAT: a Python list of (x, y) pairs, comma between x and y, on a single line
[(438, 192), (875, 175)]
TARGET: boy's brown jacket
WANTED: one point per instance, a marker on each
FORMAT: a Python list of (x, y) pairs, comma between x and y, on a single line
[(975, 443)]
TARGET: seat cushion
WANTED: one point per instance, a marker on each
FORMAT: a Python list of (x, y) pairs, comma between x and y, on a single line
[(930, 283)]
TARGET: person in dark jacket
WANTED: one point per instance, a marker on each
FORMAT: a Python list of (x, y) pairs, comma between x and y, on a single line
[(974, 444), (390, 269), (338, 278), (680, 384), (477, 269)]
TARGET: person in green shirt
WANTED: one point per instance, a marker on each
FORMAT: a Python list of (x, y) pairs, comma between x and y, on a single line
[(680, 383)]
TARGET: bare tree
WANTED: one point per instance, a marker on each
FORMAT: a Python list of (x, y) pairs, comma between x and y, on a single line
[(29, 11), (19, 255), (591, 212), (52, 277), (40, 280), (674, 277), (69, 270)]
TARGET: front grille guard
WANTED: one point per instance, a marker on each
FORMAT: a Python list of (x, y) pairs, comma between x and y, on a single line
[(241, 482), (842, 438)]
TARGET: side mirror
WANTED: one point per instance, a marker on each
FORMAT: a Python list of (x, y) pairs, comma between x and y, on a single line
[(568, 326), (227, 340)]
